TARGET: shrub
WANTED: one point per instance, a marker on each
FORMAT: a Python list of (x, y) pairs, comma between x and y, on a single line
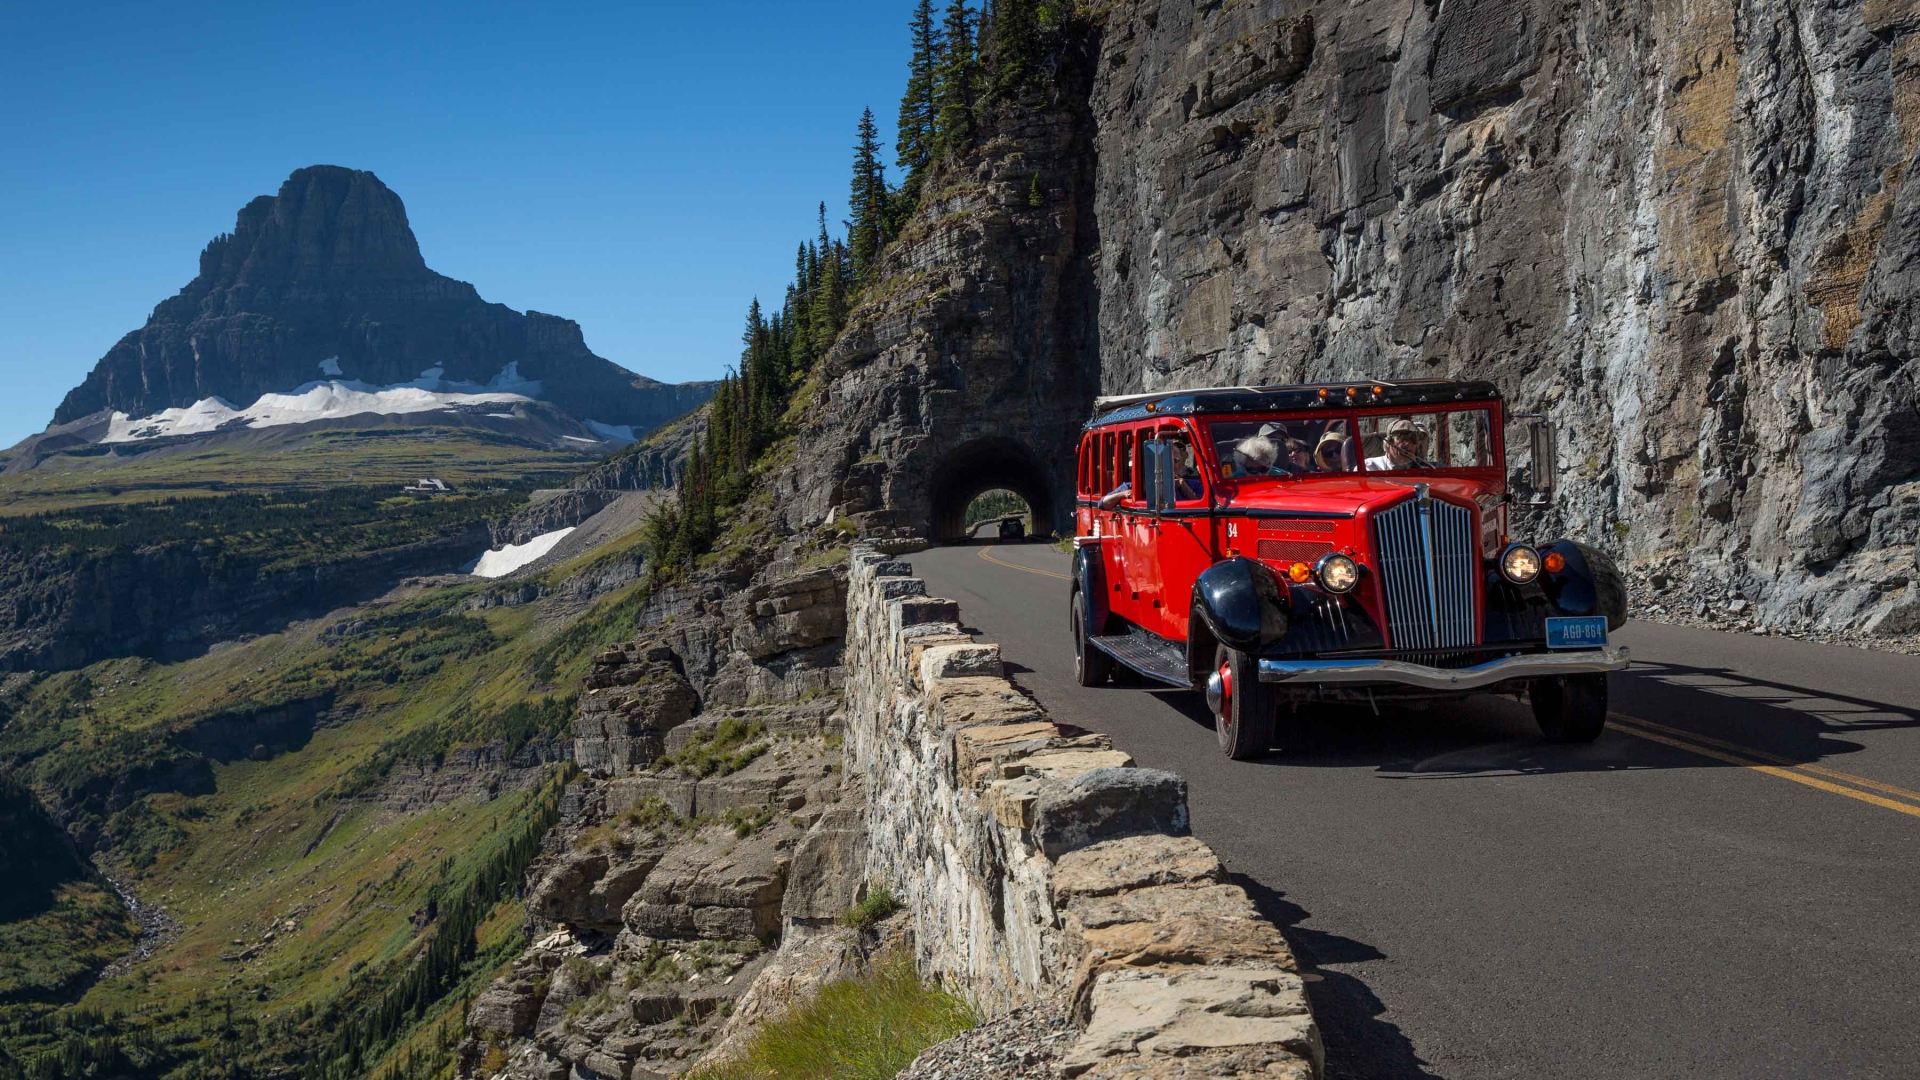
[(731, 746), (865, 1028), (880, 903)]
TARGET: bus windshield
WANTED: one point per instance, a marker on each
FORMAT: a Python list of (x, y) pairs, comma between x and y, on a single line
[(1350, 443)]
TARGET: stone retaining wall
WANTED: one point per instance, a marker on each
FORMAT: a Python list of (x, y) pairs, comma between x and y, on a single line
[(1038, 862)]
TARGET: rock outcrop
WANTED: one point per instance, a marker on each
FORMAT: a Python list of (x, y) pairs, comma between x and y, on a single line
[(971, 366), (1680, 231), (326, 279), (695, 885), (66, 609)]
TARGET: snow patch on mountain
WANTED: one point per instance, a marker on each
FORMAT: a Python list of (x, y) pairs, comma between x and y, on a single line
[(327, 399), (506, 560), (620, 433)]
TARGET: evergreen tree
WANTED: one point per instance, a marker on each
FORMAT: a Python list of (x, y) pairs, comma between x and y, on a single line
[(920, 105), (1016, 45), (867, 233), (956, 81)]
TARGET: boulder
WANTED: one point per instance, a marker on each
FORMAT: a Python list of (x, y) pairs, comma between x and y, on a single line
[(829, 868)]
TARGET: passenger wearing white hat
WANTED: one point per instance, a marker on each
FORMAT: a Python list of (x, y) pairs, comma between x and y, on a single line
[(1403, 443)]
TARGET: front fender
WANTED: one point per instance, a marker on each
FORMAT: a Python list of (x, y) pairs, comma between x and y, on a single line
[(1242, 604), (1090, 576), (1589, 585)]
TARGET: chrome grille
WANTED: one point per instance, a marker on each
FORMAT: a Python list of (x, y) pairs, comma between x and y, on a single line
[(1426, 550)]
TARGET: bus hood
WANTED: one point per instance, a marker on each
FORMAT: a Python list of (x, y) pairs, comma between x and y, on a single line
[(1343, 495)]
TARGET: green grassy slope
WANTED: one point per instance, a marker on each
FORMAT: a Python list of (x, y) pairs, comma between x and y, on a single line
[(326, 925)]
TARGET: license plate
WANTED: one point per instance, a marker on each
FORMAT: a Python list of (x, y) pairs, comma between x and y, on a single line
[(1585, 632)]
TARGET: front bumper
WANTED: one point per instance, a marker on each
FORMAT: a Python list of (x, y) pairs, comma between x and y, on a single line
[(1402, 673)]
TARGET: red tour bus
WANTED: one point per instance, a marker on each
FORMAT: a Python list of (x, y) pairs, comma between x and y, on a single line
[(1347, 542)]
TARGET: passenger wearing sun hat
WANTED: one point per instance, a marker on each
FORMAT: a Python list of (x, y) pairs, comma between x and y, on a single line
[(1330, 454), (1404, 438)]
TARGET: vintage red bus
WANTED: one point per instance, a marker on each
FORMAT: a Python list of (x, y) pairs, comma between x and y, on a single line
[(1272, 546)]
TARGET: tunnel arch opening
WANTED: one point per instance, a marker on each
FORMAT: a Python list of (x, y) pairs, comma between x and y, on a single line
[(984, 465)]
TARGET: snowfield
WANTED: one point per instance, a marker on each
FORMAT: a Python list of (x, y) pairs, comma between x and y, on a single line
[(620, 433), (505, 561), (325, 400)]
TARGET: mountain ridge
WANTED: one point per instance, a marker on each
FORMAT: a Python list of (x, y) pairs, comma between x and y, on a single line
[(326, 278)]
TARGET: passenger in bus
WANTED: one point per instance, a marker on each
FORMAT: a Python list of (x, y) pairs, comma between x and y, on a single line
[(1331, 454), (1186, 473), (1402, 450), (1299, 457), (1255, 456)]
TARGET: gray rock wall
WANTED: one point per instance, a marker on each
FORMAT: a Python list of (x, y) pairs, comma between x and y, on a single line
[(1036, 862), (1678, 228)]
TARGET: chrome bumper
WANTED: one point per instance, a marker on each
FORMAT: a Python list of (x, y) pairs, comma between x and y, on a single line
[(1389, 672)]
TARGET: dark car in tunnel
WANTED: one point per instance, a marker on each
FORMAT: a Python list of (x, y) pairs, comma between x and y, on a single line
[(1274, 546)]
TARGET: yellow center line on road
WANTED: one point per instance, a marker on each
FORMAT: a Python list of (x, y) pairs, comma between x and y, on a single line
[(987, 554), (1836, 774), (1630, 726)]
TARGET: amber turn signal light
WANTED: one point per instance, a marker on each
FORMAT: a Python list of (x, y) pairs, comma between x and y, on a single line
[(1300, 573), (1554, 562)]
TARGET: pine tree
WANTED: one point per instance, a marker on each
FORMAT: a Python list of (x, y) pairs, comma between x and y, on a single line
[(867, 233), (956, 81), (1016, 45), (920, 105)]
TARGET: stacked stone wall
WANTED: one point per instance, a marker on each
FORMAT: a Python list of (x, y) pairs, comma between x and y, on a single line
[(1039, 863)]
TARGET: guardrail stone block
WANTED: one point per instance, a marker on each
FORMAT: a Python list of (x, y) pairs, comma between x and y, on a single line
[(1107, 803), (1134, 862)]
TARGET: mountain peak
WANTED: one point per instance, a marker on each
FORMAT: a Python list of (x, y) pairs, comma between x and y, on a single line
[(326, 222), (326, 276)]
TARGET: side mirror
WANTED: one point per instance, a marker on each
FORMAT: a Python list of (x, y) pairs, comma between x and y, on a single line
[(1543, 459)]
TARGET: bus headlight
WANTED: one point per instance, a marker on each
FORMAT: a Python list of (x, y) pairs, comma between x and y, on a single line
[(1520, 564), (1337, 573)]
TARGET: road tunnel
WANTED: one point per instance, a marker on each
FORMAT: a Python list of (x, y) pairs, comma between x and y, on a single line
[(981, 466)]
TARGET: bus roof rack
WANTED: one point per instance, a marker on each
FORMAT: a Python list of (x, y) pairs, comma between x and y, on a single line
[(1232, 399)]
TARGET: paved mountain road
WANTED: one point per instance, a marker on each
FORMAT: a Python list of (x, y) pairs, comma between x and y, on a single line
[(1724, 885)]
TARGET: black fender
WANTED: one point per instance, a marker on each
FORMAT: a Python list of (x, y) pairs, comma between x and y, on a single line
[(1590, 583), (1242, 605), (1090, 577)]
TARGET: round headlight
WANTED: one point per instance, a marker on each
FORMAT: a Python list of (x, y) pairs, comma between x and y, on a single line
[(1520, 564), (1337, 573)]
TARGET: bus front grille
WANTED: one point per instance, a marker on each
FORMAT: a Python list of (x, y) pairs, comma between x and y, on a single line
[(1427, 565)]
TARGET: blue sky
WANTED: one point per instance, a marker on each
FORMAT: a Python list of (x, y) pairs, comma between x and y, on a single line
[(643, 169)]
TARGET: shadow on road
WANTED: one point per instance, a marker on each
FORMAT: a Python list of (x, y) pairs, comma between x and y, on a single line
[(1496, 736), (1359, 1043)]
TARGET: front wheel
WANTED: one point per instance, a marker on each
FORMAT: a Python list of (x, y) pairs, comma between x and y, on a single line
[(1091, 667), (1571, 709), (1243, 706)]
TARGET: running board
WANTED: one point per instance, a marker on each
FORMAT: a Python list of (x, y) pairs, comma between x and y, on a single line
[(1154, 657)]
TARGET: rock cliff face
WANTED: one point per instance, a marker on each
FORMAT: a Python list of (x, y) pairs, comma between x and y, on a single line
[(972, 364), (67, 609), (328, 269), (1680, 229), (1677, 228)]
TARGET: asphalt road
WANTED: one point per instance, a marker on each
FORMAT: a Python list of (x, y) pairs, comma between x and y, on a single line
[(1724, 885)]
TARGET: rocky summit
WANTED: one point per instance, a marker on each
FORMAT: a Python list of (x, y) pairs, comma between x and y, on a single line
[(325, 281)]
